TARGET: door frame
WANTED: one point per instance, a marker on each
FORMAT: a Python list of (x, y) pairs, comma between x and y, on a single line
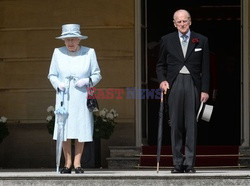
[(245, 126), (245, 74), (138, 57)]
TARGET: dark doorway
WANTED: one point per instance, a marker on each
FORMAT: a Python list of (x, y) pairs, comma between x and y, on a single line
[(219, 20)]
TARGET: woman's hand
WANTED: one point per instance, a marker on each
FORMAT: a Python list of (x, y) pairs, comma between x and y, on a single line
[(62, 86), (82, 82)]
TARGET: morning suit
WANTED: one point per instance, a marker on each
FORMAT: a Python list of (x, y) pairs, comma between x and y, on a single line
[(185, 89)]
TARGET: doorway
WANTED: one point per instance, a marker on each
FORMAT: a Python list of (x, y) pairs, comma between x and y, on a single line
[(220, 22)]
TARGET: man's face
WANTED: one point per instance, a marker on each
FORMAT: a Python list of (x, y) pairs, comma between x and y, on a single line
[(182, 21)]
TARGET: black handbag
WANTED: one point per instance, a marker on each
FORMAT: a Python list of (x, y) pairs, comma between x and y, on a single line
[(91, 99)]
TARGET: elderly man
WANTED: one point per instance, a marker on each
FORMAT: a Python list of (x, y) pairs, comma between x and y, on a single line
[(183, 71)]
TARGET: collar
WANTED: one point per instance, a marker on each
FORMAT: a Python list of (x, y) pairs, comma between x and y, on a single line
[(188, 34)]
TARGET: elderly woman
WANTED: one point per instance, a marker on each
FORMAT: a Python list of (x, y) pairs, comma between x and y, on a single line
[(71, 67)]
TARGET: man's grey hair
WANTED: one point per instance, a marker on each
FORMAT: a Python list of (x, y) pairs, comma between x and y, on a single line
[(182, 10)]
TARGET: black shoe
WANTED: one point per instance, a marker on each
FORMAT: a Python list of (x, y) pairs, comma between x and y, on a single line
[(79, 170), (177, 169), (65, 170), (190, 169)]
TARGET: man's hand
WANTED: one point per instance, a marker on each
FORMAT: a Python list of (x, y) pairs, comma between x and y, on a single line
[(204, 97), (164, 86)]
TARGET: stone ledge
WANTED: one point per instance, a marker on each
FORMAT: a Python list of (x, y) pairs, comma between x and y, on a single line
[(244, 150), (122, 162), (124, 151), (128, 178), (244, 160)]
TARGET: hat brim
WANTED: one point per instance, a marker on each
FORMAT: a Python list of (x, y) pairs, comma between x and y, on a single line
[(205, 112), (72, 36)]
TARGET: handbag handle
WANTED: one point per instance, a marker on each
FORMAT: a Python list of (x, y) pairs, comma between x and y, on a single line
[(90, 82), (90, 89)]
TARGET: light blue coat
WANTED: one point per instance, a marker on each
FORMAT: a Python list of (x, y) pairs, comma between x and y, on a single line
[(79, 123)]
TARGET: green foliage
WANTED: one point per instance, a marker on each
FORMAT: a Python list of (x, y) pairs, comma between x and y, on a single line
[(50, 119), (104, 122), (4, 132), (51, 125), (103, 129)]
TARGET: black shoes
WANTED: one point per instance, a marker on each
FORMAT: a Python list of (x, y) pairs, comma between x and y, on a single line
[(177, 169), (65, 170), (79, 170), (182, 169), (189, 169)]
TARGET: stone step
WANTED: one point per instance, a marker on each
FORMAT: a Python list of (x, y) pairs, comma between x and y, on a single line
[(124, 151), (200, 167), (128, 157), (129, 178), (245, 158), (123, 157), (122, 162)]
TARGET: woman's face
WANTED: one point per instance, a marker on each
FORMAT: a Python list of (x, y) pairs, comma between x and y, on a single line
[(72, 43)]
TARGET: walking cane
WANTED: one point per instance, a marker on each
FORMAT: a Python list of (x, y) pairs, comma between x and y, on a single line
[(159, 140)]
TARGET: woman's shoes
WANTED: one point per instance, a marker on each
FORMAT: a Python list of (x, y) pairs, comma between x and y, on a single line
[(79, 170), (65, 170)]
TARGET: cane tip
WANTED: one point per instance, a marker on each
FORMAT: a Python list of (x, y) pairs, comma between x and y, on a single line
[(158, 165)]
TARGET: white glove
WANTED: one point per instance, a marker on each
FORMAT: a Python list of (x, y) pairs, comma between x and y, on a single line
[(62, 86), (81, 82)]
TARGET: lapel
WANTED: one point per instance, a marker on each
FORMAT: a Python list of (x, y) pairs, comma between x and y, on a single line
[(177, 44), (191, 45)]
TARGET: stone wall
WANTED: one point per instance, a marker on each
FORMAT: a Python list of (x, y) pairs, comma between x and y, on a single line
[(27, 39)]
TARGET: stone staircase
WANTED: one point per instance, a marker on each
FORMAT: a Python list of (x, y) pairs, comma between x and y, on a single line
[(130, 157), (244, 159), (207, 157), (123, 157)]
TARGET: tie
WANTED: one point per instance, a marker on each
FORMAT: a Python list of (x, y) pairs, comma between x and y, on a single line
[(184, 40), (184, 44)]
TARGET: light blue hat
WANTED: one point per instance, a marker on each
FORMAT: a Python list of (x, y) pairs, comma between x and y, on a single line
[(71, 30)]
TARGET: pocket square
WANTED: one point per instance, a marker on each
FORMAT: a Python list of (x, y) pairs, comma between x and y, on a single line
[(197, 49)]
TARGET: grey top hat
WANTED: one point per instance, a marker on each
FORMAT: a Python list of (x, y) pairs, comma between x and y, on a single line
[(71, 30)]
